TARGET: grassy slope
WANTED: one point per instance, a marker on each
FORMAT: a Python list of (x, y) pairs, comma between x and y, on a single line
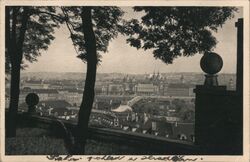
[(35, 141)]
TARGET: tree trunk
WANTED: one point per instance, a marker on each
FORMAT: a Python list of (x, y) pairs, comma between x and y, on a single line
[(7, 40), (15, 51), (89, 92), (14, 82), (14, 98)]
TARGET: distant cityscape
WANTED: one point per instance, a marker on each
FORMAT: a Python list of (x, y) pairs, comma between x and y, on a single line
[(159, 104)]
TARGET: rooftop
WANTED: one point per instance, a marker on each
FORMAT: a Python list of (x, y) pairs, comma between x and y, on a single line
[(178, 85), (46, 91), (56, 103)]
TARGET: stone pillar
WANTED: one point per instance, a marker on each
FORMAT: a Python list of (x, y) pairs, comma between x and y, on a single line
[(218, 112), (239, 82)]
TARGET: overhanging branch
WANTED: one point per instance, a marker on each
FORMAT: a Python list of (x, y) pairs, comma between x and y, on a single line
[(59, 18), (68, 26)]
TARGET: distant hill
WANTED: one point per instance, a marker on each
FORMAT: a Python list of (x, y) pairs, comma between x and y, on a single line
[(54, 75), (171, 77)]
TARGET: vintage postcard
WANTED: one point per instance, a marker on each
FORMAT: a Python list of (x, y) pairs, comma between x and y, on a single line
[(124, 80)]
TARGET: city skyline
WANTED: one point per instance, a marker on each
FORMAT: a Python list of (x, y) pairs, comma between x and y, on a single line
[(131, 103), (122, 58)]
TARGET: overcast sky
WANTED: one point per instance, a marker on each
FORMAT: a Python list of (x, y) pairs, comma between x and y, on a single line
[(122, 58)]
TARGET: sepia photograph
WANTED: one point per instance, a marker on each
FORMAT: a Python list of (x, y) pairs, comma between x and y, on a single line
[(124, 82)]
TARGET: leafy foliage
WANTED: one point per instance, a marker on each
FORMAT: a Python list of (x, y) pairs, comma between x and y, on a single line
[(107, 23), (39, 31), (177, 31)]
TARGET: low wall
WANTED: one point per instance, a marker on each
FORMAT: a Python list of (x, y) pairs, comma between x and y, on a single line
[(132, 143)]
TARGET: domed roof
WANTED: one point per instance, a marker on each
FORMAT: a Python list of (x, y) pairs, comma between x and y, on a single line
[(122, 108)]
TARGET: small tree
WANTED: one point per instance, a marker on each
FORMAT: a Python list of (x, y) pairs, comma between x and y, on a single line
[(91, 29), (28, 31)]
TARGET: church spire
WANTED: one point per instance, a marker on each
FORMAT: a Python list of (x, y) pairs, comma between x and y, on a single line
[(182, 79)]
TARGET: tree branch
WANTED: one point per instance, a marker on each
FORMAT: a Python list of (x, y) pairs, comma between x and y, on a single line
[(13, 35), (7, 28), (7, 40), (68, 26), (23, 29), (59, 18)]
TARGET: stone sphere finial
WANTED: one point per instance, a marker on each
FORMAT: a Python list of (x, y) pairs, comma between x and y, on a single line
[(211, 63), (31, 100)]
